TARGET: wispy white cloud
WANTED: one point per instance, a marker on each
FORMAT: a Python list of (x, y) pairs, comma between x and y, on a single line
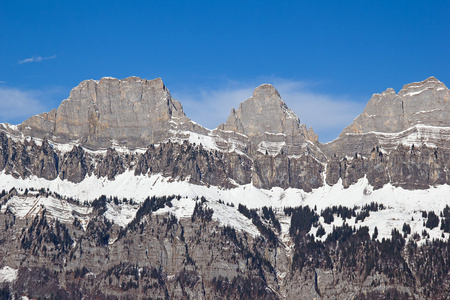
[(327, 114), (36, 59), (16, 105), (210, 107)]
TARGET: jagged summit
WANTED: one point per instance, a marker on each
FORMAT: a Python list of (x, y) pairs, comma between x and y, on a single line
[(271, 125), (264, 112), (415, 88), (135, 113), (265, 90)]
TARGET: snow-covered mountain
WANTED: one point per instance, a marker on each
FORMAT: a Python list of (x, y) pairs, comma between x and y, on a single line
[(117, 151)]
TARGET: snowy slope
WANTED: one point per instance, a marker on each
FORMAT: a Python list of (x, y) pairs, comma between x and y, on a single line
[(8, 274), (419, 134), (401, 205)]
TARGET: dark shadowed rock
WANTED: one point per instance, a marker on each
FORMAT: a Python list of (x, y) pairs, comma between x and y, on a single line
[(74, 165)]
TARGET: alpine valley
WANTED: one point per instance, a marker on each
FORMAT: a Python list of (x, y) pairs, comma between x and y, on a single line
[(117, 194)]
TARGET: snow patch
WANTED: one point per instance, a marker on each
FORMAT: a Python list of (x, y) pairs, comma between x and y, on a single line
[(418, 134), (413, 93), (64, 211), (272, 148), (8, 274)]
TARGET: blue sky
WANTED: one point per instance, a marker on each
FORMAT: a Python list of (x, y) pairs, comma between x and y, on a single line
[(325, 57)]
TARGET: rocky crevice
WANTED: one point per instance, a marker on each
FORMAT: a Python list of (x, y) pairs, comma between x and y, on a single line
[(406, 167)]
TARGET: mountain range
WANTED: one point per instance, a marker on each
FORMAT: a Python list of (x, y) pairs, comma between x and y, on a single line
[(117, 193)]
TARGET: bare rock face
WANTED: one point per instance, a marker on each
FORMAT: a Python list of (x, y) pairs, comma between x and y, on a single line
[(383, 113), (132, 112), (426, 102), (401, 139), (74, 165), (302, 172), (264, 112), (418, 114), (46, 164), (271, 126)]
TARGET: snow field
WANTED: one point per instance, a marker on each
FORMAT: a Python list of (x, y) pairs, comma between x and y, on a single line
[(401, 206)]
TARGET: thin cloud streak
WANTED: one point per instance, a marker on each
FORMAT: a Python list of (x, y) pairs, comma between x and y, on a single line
[(327, 114), (36, 59)]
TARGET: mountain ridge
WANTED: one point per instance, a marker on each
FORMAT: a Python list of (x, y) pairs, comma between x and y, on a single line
[(263, 140), (256, 209), (425, 102)]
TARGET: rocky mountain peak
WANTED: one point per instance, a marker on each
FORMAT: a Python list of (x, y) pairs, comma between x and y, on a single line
[(266, 90), (418, 114), (271, 126), (131, 112), (424, 102), (264, 112), (388, 91)]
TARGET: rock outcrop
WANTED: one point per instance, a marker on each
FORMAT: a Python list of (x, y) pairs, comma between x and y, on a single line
[(426, 102), (408, 167)]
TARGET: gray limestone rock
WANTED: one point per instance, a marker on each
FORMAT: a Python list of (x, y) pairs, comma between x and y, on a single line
[(408, 167), (132, 112), (264, 112), (426, 102), (74, 165), (270, 125), (418, 113), (160, 256)]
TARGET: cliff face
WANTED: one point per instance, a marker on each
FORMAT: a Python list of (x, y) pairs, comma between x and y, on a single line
[(425, 102), (131, 112), (407, 167), (184, 162), (270, 125)]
